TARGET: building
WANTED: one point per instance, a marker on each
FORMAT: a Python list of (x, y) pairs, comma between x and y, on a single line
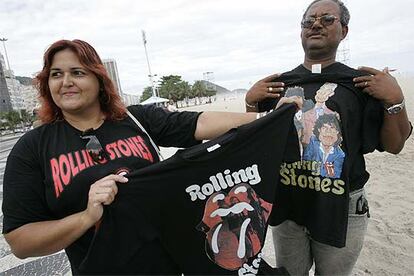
[(15, 92), (5, 102), (112, 69), (130, 99), (30, 100)]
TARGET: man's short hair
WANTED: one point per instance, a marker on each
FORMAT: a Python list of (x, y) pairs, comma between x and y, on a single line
[(344, 12)]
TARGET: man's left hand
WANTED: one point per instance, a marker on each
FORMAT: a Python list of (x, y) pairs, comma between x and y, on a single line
[(380, 84)]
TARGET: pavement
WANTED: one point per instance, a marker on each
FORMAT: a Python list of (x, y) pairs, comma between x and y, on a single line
[(56, 264)]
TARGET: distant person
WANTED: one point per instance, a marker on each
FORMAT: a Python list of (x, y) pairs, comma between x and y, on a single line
[(59, 176), (171, 106), (318, 219)]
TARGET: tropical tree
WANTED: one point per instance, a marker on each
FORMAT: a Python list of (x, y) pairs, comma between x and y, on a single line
[(147, 93), (174, 88), (199, 89), (26, 117), (184, 90), (10, 119)]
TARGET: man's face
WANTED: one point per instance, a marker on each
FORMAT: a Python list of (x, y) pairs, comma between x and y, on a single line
[(320, 41)]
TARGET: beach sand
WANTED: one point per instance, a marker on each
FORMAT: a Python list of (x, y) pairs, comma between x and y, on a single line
[(389, 243)]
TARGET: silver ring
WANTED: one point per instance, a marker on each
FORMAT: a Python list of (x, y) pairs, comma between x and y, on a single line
[(270, 89)]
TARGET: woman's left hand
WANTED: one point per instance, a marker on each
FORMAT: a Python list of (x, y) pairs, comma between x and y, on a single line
[(102, 192), (293, 99)]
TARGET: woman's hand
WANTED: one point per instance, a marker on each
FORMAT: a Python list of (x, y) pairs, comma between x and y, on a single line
[(293, 99), (102, 192)]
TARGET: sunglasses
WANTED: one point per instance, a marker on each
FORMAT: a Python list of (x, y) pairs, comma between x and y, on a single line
[(94, 148), (325, 20)]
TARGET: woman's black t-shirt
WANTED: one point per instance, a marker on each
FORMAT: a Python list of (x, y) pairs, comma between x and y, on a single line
[(49, 172)]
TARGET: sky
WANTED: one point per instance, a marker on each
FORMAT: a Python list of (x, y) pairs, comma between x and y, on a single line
[(239, 41)]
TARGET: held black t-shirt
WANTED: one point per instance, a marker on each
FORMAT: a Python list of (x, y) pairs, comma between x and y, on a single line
[(209, 203), (49, 172), (336, 126)]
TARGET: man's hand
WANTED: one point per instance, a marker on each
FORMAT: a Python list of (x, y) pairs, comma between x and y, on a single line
[(380, 84), (263, 89)]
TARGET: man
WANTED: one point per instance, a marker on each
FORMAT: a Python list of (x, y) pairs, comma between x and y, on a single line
[(317, 219)]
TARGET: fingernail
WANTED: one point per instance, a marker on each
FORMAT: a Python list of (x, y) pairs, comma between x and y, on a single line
[(283, 84)]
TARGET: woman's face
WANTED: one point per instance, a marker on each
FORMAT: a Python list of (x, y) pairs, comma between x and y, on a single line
[(74, 89)]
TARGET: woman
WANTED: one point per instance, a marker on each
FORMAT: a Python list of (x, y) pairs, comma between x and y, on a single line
[(59, 175)]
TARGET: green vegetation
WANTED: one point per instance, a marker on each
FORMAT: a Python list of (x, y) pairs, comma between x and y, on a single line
[(173, 87), (12, 120)]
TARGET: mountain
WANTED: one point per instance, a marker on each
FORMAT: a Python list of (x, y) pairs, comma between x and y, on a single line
[(219, 89), (239, 91), (25, 80)]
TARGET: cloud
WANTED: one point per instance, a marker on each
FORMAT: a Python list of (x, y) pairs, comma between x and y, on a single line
[(240, 41)]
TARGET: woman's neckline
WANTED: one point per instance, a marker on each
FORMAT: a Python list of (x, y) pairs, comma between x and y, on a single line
[(84, 127), (84, 124)]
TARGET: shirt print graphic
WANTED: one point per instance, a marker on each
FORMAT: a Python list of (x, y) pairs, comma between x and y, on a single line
[(319, 131), (235, 225), (66, 166)]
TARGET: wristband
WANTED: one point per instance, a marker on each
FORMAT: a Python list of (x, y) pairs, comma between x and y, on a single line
[(250, 105), (396, 108), (262, 114)]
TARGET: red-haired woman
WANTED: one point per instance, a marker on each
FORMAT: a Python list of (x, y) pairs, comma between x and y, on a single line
[(59, 175)]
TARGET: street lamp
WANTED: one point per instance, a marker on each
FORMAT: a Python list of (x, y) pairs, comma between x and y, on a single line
[(11, 73), (5, 52), (144, 39)]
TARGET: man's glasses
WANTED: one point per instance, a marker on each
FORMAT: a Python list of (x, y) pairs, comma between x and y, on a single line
[(94, 148), (325, 20)]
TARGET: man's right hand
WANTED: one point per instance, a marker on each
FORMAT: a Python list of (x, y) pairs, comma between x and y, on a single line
[(263, 89)]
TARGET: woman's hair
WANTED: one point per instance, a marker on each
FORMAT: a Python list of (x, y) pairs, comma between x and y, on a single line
[(109, 99)]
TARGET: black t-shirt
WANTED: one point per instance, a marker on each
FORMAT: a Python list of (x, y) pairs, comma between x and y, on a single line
[(49, 172), (336, 126), (209, 203)]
